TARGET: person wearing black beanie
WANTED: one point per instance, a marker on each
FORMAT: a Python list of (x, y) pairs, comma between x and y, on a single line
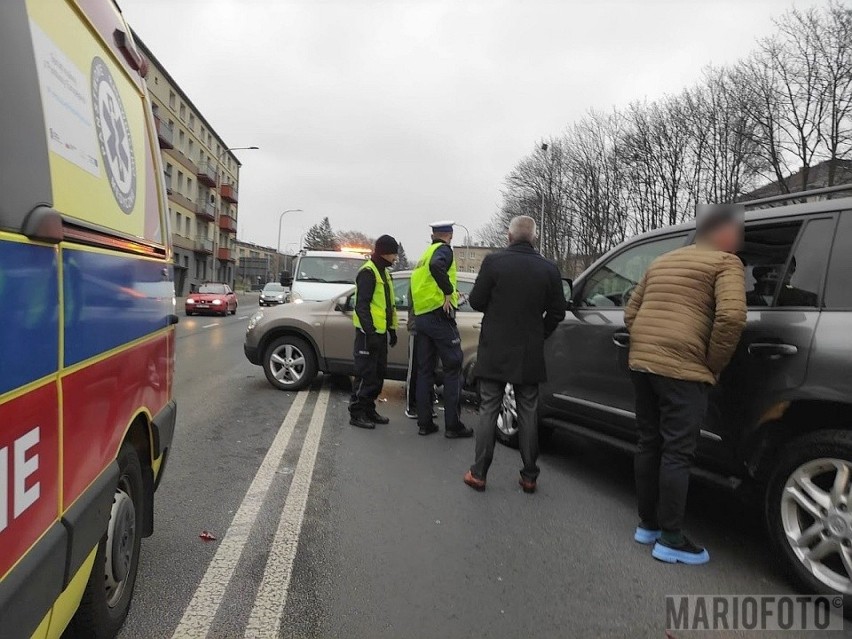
[(375, 329)]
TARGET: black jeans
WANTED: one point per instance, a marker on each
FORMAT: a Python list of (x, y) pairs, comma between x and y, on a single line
[(438, 337), (490, 401), (371, 364), (669, 415)]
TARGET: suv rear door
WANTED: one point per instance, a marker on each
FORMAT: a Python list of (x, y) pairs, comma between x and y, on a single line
[(785, 262)]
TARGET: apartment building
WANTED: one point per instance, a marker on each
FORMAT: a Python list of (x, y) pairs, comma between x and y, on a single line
[(469, 258), (202, 178)]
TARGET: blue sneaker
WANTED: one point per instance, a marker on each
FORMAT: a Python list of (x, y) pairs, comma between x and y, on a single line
[(646, 535), (685, 553)]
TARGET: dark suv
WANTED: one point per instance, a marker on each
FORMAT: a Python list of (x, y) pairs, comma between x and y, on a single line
[(780, 419)]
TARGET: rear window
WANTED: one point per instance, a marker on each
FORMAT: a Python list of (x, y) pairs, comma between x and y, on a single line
[(212, 289), (330, 270), (272, 288), (838, 290)]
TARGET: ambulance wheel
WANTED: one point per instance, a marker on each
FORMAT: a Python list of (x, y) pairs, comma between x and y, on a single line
[(106, 600)]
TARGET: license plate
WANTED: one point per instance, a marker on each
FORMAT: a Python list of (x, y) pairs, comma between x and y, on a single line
[(202, 306)]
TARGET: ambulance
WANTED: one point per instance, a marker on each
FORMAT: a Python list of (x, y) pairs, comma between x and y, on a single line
[(87, 314)]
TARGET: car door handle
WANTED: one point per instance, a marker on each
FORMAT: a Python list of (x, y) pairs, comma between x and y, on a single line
[(621, 339), (771, 350)]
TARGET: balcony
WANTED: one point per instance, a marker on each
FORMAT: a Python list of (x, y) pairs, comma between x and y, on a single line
[(229, 193), (227, 223), (207, 174), (204, 246), (206, 212), (165, 133), (226, 255)]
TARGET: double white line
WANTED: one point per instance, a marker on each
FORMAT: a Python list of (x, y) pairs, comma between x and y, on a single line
[(265, 618)]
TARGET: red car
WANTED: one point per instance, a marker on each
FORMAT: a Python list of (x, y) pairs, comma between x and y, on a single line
[(212, 298)]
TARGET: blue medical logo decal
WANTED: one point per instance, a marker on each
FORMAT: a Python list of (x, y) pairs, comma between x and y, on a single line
[(113, 136)]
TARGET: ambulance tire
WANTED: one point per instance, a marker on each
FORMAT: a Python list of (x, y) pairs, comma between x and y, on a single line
[(98, 617)]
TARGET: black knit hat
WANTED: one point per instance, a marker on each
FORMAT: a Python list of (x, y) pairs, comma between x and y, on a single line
[(386, 245)]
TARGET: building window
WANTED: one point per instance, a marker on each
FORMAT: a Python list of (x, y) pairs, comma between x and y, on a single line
[(183, 112), (180, 182), (172, 100), (186, 261), (178, 222), (191, 149), (168, 173), (188, 228), (192, 122), (181, 140)]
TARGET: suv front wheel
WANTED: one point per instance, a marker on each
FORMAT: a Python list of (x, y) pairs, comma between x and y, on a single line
[(809, 511), (290, 363)]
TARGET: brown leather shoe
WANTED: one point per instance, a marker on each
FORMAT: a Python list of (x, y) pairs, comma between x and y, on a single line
[(473, 482), (527, 484)]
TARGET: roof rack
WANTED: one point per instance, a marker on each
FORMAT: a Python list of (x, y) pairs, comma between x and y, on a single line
[(795, 196)]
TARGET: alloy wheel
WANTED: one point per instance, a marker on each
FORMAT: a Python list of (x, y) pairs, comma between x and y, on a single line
[(815, 514), (287, 363), (507, 420)]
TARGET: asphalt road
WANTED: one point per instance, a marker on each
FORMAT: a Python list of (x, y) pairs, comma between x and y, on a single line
[(379, 537)]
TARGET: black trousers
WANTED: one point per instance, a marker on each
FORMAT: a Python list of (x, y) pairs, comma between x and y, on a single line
[(491, 395), (669, 415), (371, 364), (438, 337)]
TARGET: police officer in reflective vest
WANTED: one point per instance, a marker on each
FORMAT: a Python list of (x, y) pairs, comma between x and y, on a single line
[(375, 328), (436, 300)]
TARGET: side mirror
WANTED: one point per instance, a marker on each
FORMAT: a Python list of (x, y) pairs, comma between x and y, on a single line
[(286, 279), (342, 304), (568, 287)]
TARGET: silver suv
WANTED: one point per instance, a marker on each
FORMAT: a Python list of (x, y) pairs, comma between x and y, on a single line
[(780, 421)]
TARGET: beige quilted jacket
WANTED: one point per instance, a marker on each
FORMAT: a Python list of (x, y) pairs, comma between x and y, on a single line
[(686, 315)]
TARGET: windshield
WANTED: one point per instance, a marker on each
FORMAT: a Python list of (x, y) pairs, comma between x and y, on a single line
[(273, 287), (332, 270), (214, 289)]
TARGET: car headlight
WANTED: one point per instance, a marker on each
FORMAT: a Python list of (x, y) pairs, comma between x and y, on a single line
[(281, 297), (253, 321), (217, 302), (190, 301), (295, 298)]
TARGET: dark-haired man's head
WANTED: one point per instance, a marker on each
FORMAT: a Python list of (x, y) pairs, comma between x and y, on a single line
[(720, 226)]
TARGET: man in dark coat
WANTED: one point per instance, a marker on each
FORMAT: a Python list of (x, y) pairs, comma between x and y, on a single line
[(521, 294)]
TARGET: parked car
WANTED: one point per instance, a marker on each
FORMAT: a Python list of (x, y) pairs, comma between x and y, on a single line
[(273, 293), (780, 420), (295, 342), (212, 298)]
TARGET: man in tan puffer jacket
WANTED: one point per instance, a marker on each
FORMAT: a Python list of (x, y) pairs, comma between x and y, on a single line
[(685, 318)]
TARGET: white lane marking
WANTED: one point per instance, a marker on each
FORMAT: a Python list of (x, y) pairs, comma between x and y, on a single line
[(265, 619), (198, 616), (243, 317), (210, 325)]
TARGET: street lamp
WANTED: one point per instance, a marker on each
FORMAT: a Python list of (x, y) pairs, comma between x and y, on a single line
[(466, 233), (217, 212), (281, 219)]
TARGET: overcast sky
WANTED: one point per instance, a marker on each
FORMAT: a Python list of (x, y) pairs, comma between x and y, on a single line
[(386, 115)]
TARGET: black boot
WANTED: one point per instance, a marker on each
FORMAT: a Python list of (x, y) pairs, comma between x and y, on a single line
[(374, 417), (360, 420)]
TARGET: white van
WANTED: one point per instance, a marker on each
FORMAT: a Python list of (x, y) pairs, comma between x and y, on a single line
[(323, 275)]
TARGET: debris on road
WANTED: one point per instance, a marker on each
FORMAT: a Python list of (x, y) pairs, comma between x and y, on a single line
[(206, 536)]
